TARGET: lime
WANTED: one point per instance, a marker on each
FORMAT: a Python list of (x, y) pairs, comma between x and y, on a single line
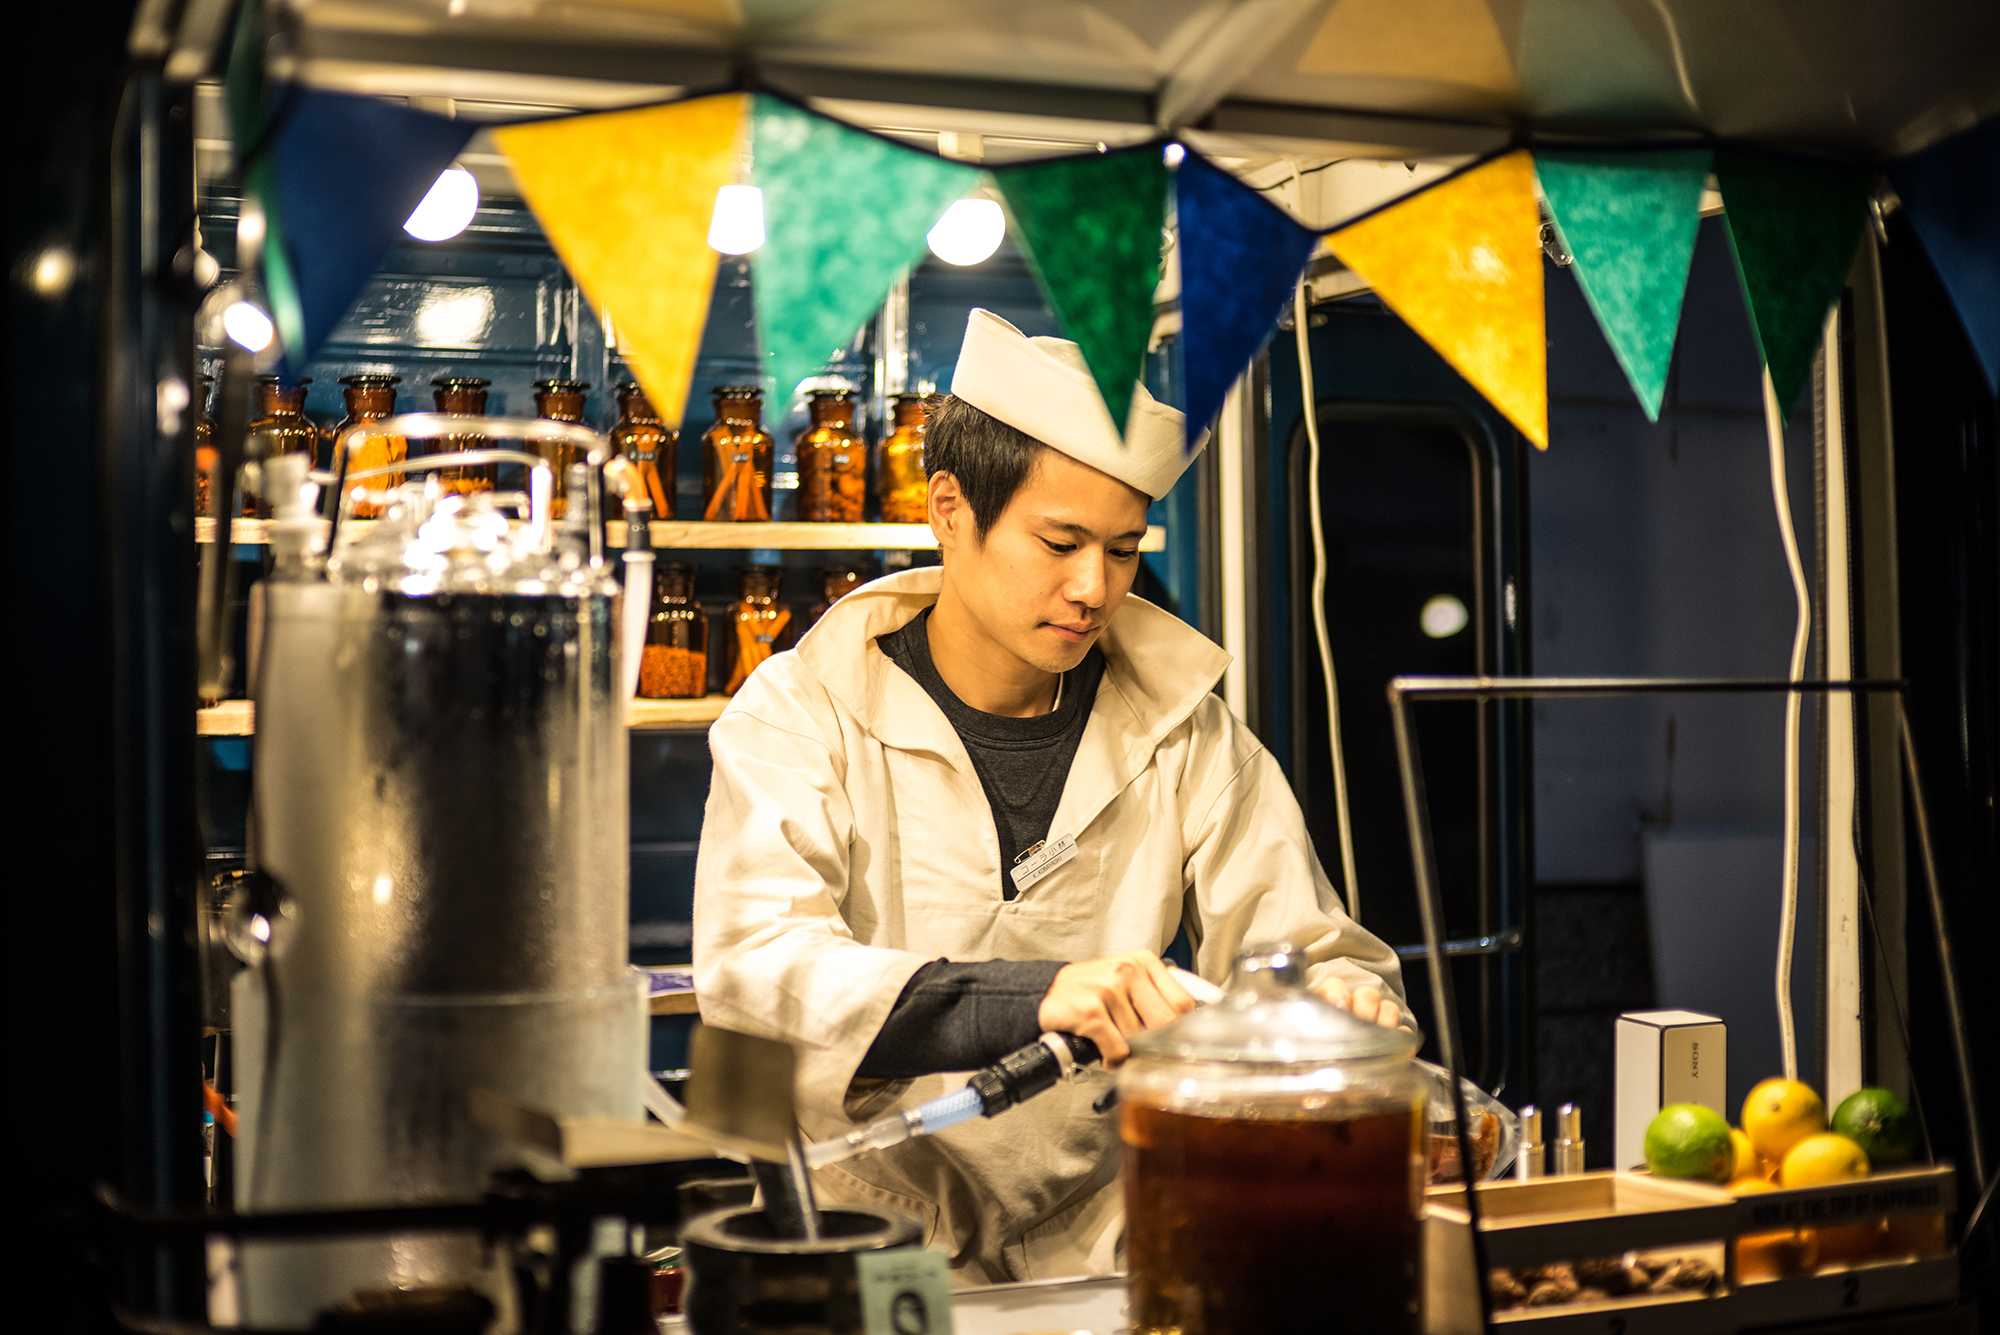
[(1881, 1124), (1779, 1114), (1687, 1140)]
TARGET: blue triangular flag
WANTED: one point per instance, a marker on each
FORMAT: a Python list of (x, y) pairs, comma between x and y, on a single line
[(1240, 258), (344, 174), (1951, 191)]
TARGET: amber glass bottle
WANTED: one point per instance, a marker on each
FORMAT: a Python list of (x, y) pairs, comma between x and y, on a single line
[(759, 625), (560, 401), (205, 457), (465, 395), (675, 662), (899, 474), (280, 427), (736, 457), (835, 583), (370, 398), (650, 447), (833, 460)]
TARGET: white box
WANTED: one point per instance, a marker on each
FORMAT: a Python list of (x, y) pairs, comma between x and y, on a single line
[(1666, 1057)]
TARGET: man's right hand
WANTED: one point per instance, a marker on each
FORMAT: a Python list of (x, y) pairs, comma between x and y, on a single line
[(1109, 999)]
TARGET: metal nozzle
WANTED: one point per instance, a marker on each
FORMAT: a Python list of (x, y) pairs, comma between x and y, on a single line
[(1569, 1140), (1533, 1160)]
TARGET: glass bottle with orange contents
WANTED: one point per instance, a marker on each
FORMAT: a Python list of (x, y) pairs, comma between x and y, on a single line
[(899, 472), (759, 625), (835, 583), (649, 446), (466, 396), (280, 427), (736, 457), (370, 398), (560, 401), (833, 460), (674, 664), (205, 455)]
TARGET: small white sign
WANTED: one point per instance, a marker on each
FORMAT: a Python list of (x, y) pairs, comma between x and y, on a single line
[(1043, 861), (904, 1292)]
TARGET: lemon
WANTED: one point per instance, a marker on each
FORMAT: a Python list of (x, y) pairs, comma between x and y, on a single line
[(1779, 1114), (1823, 1158), (1880, 1123), (1689, 1141), (1746, 1156)]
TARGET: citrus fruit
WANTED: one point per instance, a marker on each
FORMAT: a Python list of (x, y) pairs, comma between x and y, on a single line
[(1779, 1114), (1823, 1158), (1880, 1123), (1922, 1236), (1747, 1164), (1850, 1244), (1787, 1251), (1687, 1140)]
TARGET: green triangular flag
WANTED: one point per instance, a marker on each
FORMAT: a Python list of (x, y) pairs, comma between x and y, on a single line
[(844, 213), (1091, 227), (1630, 221), (1794, 227)]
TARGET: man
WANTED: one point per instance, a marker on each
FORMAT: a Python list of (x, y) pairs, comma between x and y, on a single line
[(978, 801)]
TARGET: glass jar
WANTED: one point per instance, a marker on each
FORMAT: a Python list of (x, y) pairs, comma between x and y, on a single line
[(560, 401), (833, 460), (1273, 1164), (370, 398), (759, 625), (736, 457), (205, 455), (280, 427), (650, 447), (835, 583), (674, 665), (465, 395), (899, 474)]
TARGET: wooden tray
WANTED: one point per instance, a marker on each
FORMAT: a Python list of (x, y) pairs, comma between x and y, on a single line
[(1883, 1286), (1895, 1193), (1589, 1214)]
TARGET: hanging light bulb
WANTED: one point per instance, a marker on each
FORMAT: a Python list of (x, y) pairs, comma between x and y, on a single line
[(737, 226), (247, 326), (970, 231), (447, 208)]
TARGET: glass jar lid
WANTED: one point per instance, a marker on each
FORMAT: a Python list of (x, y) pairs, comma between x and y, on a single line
[(1270, 1017)]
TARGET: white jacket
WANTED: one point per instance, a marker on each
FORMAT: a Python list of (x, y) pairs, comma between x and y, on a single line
[(848, 842)]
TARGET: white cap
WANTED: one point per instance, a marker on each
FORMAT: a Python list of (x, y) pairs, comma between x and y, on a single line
[(1043, 387)]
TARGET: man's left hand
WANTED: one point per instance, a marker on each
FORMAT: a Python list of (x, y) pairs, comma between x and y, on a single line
[(1366, 1003)]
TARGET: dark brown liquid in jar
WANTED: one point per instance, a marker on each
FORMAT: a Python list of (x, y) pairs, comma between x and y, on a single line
[(1252, 1225)]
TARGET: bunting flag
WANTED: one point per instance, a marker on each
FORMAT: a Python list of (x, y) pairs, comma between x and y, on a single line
[(844, 213), (247, 97), (1092, 228), (1951, 192), (1240, 258), (1461, 264), (341, 176), (1630, 219), (626, 198), (1794, 227)]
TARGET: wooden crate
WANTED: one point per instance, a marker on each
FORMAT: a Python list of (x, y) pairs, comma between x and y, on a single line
[(1884, 1286)]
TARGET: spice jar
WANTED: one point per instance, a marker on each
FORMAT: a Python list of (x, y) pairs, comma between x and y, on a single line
[(674, 664), (466, 396), (1273, 1164), (560, 401), (370, 398), (833, 460), (280, 427), (651, 448), (759, 625), (835, 583), (736, 457), (899, 474), (205, 455)]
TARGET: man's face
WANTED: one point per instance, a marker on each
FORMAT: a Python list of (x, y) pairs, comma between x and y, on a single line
[(1054, 566)]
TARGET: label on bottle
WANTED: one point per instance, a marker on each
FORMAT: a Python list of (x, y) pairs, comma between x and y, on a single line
[(904, 1291), (1039, 861)]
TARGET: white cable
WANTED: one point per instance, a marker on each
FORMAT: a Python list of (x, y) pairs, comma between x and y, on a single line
[(1788, 915), (1300, 325)]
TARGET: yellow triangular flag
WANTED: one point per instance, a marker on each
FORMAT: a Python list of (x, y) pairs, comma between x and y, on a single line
[(626, 198), (1461, 262)]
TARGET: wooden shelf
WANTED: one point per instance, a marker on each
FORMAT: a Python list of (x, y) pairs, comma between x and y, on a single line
[(238, 718), (691, 535)]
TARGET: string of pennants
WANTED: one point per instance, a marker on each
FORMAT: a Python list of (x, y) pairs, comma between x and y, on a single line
[(626, 199)]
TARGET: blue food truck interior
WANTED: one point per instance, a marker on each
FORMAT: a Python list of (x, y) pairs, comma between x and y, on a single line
[(1595, 855)]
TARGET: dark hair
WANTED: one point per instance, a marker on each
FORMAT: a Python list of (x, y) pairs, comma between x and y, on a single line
[(989, 458)]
